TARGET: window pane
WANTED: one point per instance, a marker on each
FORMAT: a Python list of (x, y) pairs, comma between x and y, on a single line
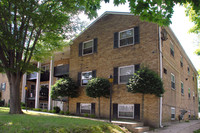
[(87, 44), (126, 114), (85, 108), (126, 41), (126, 71), (126, 110), (126, 34), (87, 50), (87, 75), (125, 78), (172, 78)]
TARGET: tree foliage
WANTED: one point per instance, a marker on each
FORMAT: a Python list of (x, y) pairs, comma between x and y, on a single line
[(145, 81), (64, 87), (98, 87)]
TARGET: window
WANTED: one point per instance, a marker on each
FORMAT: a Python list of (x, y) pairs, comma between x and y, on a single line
[(126, 110), (85, 108), (125, 73), (188, 70), (172, 81), (193, 76), (3, 86), (181, 61), (182, 89), (189, 92), (193, 96), (165, 70), (173, 113), (88, 47), (171, 48), (126, 37), (189, 114), (45, 68), (43, 105), (85, 77)]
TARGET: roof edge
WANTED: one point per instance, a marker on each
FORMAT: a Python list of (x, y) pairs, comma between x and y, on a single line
[(105, 13)]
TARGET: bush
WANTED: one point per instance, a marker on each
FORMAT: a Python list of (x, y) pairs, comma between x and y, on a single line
[(86, 115), (23, 107), (53, 111), (57, 109), (44, 110), (23, 104), (37, 109), (61, 112), (50, 111), (92, 116), (67, 113)]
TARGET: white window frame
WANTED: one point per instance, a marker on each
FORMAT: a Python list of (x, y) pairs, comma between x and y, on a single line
[(126, 105), (124, 38), (1, 87), (193, 95), (171, 44), (181, 60), (172, 108), (182, 88), (188, 69), (173, 81), (82, 75), (120, 75), (88, 104), (92, 47)]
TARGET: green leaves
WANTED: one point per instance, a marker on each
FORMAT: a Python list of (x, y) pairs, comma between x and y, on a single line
[(145, 81), (98, 87), (64, 87)]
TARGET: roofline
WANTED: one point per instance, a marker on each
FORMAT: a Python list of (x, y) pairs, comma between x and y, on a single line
[(173, 34), (105, 13)]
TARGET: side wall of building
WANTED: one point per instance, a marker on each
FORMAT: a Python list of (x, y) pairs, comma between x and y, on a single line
[(5, 94), (174, 98)]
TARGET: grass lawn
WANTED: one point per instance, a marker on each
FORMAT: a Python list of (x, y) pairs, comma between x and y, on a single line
[(197, 131), (40, 123)]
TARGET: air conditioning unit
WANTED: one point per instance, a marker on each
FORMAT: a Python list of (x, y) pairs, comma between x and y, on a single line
[(164, 35)]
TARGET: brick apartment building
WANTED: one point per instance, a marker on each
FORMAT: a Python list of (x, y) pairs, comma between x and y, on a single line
[(118, 44)]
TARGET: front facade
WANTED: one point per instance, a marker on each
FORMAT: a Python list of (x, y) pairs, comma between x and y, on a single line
[(119, 44)]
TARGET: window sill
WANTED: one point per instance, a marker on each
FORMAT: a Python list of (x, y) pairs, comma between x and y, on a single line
[(87, 54), (174, 89), (126, 45)]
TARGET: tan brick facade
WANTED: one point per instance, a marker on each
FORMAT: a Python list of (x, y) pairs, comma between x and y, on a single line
[(145, 53), (5, 94)]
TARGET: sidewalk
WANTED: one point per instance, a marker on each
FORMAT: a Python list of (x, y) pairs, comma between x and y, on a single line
[(182, 127)]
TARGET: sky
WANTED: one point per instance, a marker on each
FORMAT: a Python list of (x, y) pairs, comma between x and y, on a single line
[(180, 26)]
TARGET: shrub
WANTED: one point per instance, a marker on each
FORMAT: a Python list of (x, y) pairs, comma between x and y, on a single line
[(92, 116), (53, 111), (23, 107), (57, 109), (37, 109), (86, 115), (23, 104), (50, 111), (44, 110), (67, 113), (61, 112)]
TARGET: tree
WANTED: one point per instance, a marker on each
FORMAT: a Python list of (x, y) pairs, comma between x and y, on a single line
[(64, 87), (33, 29), (98, 87), (145, 81)]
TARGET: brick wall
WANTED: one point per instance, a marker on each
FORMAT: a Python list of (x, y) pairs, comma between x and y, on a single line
[(106, 58)]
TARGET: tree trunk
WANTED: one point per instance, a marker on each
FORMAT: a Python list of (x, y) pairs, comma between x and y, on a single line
[(142, 107), (99, 108), (68, 104), (15, 99)]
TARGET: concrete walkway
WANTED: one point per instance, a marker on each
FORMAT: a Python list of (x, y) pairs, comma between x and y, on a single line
[(182, 127)]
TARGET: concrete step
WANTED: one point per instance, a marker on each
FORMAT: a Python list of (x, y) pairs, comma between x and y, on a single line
[(136, 127), (140, 129), (128, 124)]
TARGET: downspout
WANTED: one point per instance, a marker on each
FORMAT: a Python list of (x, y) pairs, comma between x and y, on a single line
[(161, 76)]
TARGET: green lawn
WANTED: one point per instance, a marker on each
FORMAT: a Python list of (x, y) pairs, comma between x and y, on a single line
[(40, 123), (198, 131)]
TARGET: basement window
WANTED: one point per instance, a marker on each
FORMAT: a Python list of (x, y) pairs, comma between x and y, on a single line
[(173, 113), (126, 110), (85, 108)]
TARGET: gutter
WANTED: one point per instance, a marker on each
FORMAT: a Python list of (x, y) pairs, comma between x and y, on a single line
[(161, 76)]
